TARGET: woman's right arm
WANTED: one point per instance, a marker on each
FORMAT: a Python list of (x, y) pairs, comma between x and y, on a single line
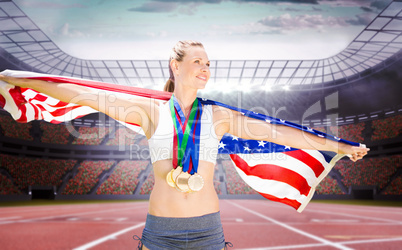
[(138, 110)]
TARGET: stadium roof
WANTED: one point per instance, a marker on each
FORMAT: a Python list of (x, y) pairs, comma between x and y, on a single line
[(378, 45)]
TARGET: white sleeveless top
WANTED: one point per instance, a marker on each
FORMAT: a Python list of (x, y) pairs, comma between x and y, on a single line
[(161, 142)]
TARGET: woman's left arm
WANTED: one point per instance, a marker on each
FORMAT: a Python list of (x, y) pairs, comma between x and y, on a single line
[(232, 122)]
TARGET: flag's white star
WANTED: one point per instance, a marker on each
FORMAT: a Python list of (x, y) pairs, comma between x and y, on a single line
[(247, 148), (235, 138), (204, 99), (337, 138), (261, 143), (320, 135), (269, 121), (287, 147), (242, 113), (310, 129), (222, 145), (283, 121)]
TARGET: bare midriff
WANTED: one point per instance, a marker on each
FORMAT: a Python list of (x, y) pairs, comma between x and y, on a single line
[(166, 201)]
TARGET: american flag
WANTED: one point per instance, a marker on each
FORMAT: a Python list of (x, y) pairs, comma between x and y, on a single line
[(278, 172)]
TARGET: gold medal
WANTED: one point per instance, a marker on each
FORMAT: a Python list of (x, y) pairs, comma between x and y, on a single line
[(176, 173), (169, 179), (195, 182), (182, 182)]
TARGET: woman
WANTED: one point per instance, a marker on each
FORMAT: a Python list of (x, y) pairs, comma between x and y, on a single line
[(181, 216)]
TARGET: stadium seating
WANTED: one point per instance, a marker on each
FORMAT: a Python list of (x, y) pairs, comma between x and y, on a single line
[(122, 136), (7, 187), (124, 178), (328, 186), (13, 129), (87, 177), (234, 184), (351, 132), (395, 187), (36, 172), (387, 128), (54, 133), (91, 135), (368, 172)]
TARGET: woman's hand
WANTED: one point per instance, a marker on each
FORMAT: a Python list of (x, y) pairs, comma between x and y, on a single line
[(353, 152)]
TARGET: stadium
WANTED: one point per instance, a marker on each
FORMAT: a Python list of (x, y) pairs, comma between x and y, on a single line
[(354, 95)]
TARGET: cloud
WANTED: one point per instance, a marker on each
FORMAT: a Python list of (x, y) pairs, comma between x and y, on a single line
[(362, 19), (66, 32), (288, 22), (376, 4), (280, 1), (380, 5), (295, 9), (367, 9), (156, 7), (49, 5), (167, 6)]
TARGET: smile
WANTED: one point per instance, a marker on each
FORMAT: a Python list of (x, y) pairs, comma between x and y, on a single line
[(202, 77)]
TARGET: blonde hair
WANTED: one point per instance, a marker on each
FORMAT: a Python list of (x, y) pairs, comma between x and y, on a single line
[(178, 53)]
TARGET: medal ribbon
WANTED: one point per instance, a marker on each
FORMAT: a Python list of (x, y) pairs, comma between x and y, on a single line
[(185, 151)]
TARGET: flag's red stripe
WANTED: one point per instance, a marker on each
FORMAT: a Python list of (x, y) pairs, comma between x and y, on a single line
[(292, 203), (2, 101), (273, 172), (19, 100), (307, 159), (156, 94)]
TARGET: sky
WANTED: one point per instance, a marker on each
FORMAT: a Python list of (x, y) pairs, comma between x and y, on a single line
[(229, 29)]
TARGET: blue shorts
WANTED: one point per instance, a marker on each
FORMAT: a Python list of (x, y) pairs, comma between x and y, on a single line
[(202, 232)]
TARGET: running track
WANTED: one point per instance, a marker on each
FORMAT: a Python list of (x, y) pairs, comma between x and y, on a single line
[(248, 224)]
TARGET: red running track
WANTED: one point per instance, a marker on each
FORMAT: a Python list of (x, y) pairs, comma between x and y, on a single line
[(248, 224)]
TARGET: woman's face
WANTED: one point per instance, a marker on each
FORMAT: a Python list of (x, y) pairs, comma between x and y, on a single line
[(193, 71)]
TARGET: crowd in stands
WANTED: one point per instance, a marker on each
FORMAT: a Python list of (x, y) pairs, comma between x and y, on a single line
[(387, 128), (350, 132), (13, 129), (395, 187), (368, 172), (234, 183), (148, 185), (91, 135), (35, 171), (54, 133), (322, 129), (328, 186), (123, 136), (124, 178), (7, 187), (87, 177)]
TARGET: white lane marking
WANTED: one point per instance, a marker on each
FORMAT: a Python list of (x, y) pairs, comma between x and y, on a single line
[(287, 247), (108, 237), (334, 221), (311, 236), (239, 220), (321, 245), (69, 215), (371, 241), (10, 218), (353, 216), (121, 219), (310, 210)]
